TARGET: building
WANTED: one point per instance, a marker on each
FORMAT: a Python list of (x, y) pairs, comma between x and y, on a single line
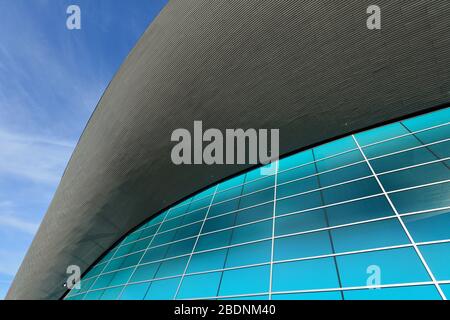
[(360, 196)]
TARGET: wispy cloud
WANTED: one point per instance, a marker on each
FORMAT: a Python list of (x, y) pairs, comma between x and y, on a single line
[(10, 221), (39, 159)]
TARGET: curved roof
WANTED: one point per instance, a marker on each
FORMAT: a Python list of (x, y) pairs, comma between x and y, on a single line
[(310, 68)]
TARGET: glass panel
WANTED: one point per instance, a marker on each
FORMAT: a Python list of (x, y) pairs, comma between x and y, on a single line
[(135, 291), (402, 293), (245, 281), (249, 254), (305, 275), (430, 226), (145, 272), (437, 257), (190, 288), (301, 246), (301, 222), (112, 293), (365, 236), (163, 289), (323, 222), (333, 295), (432, 197), (207, 261), (396, 266)]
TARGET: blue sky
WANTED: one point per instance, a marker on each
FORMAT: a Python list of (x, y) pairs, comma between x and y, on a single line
[(51, 79)]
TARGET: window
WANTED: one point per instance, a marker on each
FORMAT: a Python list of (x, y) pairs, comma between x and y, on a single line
[(368, 209)]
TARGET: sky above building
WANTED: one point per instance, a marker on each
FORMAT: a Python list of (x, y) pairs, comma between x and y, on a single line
[(51, 79)]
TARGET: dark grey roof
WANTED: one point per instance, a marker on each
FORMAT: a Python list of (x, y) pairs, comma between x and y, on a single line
[(310, 68)]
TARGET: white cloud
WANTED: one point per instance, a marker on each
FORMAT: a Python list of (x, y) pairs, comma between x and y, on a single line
[(10, 221), (39, 159)]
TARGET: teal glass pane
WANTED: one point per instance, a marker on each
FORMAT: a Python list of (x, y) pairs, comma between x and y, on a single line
[(254, 214), (403, 160), (258, 185), (345, 174), (429, 226), (446, 289), (396, 266), (296, 187), (145, 272), (305, 275), (329, 233), (228, 194), (212, 260), (401, 293), (224, 207), (252, 232), (339, 161), (135, 291), (256, 198), (93, 295), (102, 281), (354, 190), (437, 257), (245, 281), (335, 147), (302, 172), (306, 221), (233, 182), (301, 246), (199, 204), (372, 235), (391, 146), (415, 177), (434, 135), (190, 289), (214, 240), (121, 277), (299, 203), (426, 198), (295, 160), (257, 298), (362, 210), (172, 267), (249, 254), (428, 120), (330, 295), (219, 223), (163, 289), (380, 134), (111, 293)]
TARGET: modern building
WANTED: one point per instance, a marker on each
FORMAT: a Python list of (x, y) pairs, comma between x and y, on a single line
[(361, 194)]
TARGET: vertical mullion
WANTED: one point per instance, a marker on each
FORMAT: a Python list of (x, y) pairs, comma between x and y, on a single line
[(103, 269), (273, 229), (327, 222), (140, 260), (195, 243), (231, 237), (408, 234)]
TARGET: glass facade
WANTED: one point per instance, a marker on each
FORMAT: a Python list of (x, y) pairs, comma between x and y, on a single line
[(363, 217)]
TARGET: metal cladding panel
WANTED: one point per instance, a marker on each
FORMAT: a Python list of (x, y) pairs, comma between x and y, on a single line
[(310, 68)]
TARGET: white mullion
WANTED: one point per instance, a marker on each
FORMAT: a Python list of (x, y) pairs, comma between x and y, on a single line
[(195, 244), (140, 260), (411, 239), (104, 267), (273, 229)]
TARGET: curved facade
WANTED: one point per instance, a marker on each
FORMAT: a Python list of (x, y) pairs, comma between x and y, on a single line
[(309, 68), (315, 225)]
